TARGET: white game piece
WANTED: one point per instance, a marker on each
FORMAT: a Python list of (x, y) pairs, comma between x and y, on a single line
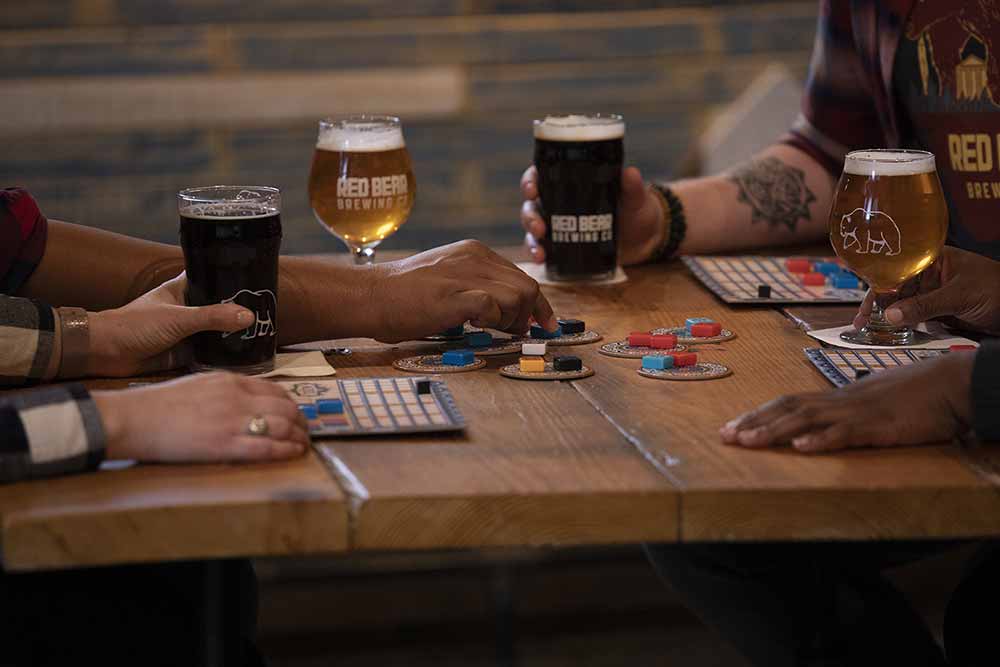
[(533, 349)]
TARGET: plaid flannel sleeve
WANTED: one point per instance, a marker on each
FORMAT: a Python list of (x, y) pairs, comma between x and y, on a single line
[(49, 431), (838, 109)]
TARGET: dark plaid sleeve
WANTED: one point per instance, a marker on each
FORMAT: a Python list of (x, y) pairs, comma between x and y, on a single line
[(27, 340), (49, 431), (23, 230), (986, 392), (838, 113)]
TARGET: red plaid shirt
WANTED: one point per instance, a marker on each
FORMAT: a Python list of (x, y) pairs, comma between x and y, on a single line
[(23, 230)]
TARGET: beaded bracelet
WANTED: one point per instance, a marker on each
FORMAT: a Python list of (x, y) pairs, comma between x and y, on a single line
[(673, 213)]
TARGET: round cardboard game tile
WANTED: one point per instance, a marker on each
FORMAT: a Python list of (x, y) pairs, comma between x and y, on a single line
[(498, 347), (703, 370), (431, 363), (584, 338), (623, 350), (550, 373), (683, 337)]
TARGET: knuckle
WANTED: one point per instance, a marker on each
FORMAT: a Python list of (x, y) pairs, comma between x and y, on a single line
[(788, 402)]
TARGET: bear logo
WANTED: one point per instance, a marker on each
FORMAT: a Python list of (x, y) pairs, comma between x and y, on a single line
[(870, 232), (263, 304)]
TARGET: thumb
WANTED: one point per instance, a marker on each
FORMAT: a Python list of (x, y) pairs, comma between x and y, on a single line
[(633, 194), (226, 317), (923, 307), (479, 307)]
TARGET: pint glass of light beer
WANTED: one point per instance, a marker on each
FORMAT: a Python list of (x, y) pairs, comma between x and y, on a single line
[(361, 185), (888, 223), (231, 237), (579, 161)]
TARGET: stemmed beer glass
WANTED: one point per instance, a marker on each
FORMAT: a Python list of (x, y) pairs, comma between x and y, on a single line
[(888, 223), (361, 186)]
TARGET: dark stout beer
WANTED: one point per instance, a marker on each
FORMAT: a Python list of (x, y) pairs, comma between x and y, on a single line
[(579, 161), (231, 239)]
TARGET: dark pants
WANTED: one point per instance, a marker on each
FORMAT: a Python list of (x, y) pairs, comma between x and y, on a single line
[(798, 604), (146, 615)]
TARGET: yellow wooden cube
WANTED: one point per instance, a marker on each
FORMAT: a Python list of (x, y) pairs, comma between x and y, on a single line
[(532, 365)]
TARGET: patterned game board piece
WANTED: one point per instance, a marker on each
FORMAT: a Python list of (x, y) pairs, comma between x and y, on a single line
[(623, 350), (550, 373), (738, 279), (432, 363), (703, 370), (686, 338), (844, 366)]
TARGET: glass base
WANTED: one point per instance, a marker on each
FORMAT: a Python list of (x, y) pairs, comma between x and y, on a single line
[(555, 276), (251, 369), (888, 337)]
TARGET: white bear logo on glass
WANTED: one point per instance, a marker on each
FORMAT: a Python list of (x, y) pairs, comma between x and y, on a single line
[(870, 232)]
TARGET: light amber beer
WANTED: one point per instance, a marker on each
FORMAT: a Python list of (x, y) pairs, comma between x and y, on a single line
[(888, 223), (361, 185)]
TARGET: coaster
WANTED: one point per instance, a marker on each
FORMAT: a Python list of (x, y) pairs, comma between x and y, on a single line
[(703, 370), (623, 350), (514, 371), (431, 363), (683, 337), (584, 338)]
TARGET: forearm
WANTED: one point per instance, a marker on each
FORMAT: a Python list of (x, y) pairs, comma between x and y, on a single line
[(781, 197), (98, 270)]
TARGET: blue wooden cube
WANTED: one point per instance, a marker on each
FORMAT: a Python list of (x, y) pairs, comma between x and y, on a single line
[(539, 332), (330, 406), (460, 357), (479, 339), (844, 281), (826, 268), (309, 411), (657, 362)]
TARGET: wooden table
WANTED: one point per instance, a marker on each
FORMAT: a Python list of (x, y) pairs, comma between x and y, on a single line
[(610, 459)]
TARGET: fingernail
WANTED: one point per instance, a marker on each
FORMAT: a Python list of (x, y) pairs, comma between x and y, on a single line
[(732, 424), (751, 437), (802, 442), (894, 315), (245, 317)]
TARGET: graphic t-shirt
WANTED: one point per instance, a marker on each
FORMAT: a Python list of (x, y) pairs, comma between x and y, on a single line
[(947, 80)]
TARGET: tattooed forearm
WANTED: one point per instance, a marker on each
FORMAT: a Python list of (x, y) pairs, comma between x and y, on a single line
[(776, 193)]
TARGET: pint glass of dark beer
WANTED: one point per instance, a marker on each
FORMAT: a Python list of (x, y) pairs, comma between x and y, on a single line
[(231, 236), (579, 161)]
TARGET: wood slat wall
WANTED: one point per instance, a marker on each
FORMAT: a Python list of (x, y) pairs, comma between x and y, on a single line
[(110, 106)]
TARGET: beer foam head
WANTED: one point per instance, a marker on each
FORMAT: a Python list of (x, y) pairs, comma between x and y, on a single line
[(229, 202), (889, 163), (360, 135), (228, 211), (580, 127)]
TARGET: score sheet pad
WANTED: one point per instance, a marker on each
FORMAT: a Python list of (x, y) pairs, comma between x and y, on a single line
[(736, 279)]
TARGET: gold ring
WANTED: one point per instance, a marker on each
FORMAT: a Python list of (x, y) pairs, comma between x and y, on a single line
[(257, 425)]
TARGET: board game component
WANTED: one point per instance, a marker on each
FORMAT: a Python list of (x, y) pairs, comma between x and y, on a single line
[(814, 279), (691, 321), (861, 373), (640, 339), (434, 363), (705, 370), (567, 363), (827, 268), (377, 406), (962, 348), (454, 332), (461, 357), (533, 349), (840, 366), (706, 329), (685, 359), (572, 326), (764, 291), (330, 406), (478, 339), (684, 337), (538, 332), (623, 350), (798, 265), (737, 279), (844, 281), (658, 363), (663, 341), (549, 372), (532, 365)]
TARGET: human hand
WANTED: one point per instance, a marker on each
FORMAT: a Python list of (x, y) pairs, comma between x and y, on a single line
[(201, 418), (447, 286), (640, 215), (148, 334), (962, 285), (926, 402)]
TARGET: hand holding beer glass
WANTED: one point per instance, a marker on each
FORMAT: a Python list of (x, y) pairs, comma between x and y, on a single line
[(888, 223), (361, 185)]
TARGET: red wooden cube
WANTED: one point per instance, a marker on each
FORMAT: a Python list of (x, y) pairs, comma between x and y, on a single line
[(814, 279), (685, 359), (798, 265), (663, 341), (706, 329), (639, 339)]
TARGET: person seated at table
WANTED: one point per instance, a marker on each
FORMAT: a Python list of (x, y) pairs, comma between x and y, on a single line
[(67, 428), (783, 195)]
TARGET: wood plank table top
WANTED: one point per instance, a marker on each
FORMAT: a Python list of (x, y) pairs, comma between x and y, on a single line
[(609, 459)]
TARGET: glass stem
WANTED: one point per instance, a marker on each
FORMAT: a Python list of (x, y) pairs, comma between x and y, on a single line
[(364, 256), (877, 318)]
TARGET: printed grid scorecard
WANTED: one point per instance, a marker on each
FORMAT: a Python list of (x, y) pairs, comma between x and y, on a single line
[(376, 406), (740, 279), (842, 367)]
